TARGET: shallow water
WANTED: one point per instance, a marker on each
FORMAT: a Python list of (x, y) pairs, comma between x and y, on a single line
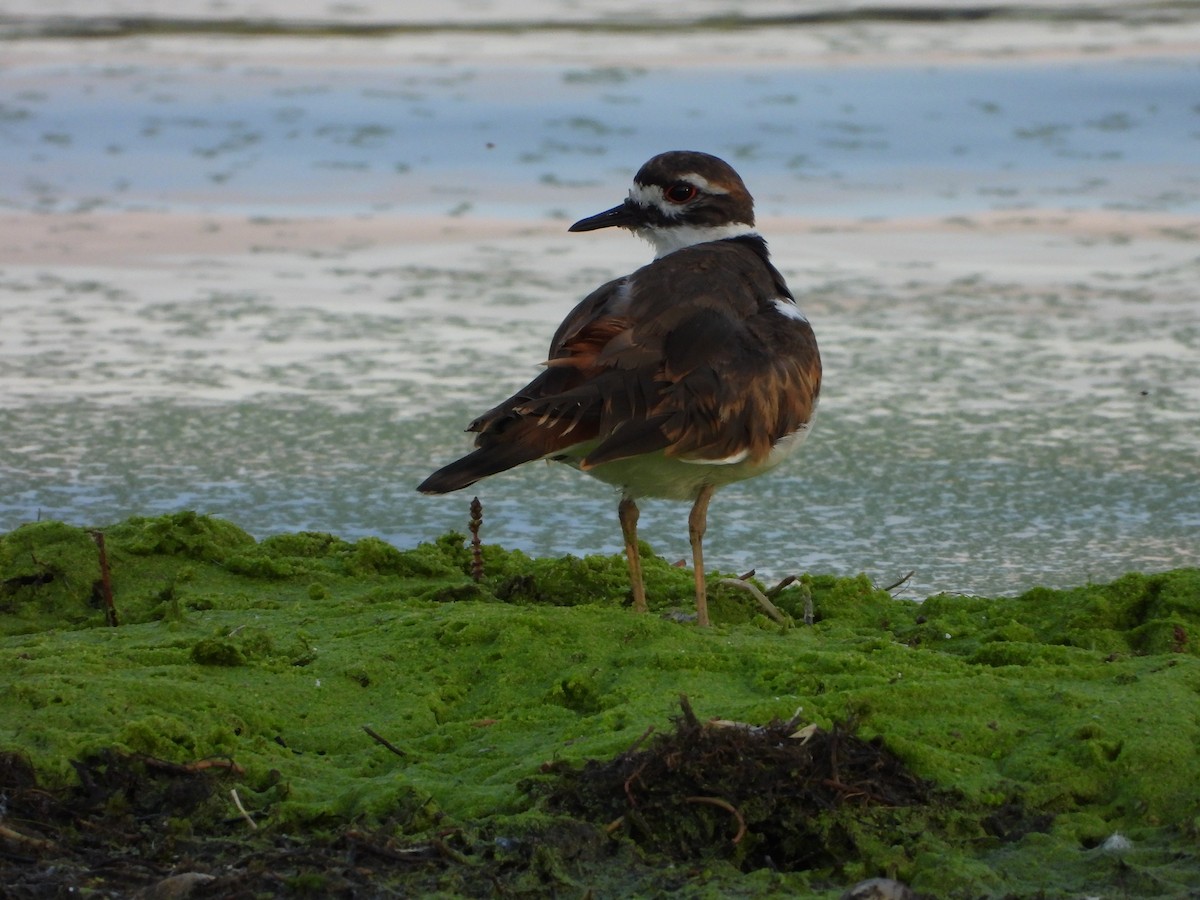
[(1001, 273), (520, 142)]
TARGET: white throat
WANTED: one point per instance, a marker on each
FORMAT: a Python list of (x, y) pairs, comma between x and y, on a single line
[(669, 238)]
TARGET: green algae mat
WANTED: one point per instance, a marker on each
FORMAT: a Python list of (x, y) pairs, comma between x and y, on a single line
[(307, 716)]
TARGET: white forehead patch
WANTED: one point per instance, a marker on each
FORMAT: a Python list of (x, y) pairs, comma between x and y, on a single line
[(646, 195), (789, 309)]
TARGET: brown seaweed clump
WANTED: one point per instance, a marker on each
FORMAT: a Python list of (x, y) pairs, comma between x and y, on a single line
[(775, 796)]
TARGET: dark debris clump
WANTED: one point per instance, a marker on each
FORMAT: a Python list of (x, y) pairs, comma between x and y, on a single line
[(122, 819), (775, 796), (138, 828)]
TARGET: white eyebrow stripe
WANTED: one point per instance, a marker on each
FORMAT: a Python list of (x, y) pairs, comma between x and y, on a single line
[(703, 183), (652, 194)]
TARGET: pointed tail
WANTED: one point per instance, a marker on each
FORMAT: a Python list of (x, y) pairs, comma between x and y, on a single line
[(483, 462)]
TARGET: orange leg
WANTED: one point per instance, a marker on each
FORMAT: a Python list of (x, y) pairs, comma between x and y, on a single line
[(627, 512), (697, 524)]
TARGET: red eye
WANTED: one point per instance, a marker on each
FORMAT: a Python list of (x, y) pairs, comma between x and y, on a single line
[(680, 192)]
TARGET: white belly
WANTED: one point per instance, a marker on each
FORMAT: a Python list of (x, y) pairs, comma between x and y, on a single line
[(657, 475)]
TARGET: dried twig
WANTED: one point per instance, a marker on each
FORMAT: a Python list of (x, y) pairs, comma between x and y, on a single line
[(476, 545), (689, 715), (388, 849), (200, 765), (849, 791), (237, 801), (896, 584), (645, 734), (380, 739), (778, 589), (25, 840), (768, 607), (629, 784), (106, 593), (729, 808), (450, 853)]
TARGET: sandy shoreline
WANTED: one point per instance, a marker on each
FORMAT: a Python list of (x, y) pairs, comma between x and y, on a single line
[(154, 239)]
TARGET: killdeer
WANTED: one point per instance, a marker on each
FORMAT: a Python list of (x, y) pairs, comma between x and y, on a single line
[(695, 371)]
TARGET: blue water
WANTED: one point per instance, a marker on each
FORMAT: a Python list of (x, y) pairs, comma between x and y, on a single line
[(526, 142)]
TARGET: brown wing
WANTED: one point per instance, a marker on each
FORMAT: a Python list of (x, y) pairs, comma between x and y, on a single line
[(732, 372), (719, 372), (509, 436)]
